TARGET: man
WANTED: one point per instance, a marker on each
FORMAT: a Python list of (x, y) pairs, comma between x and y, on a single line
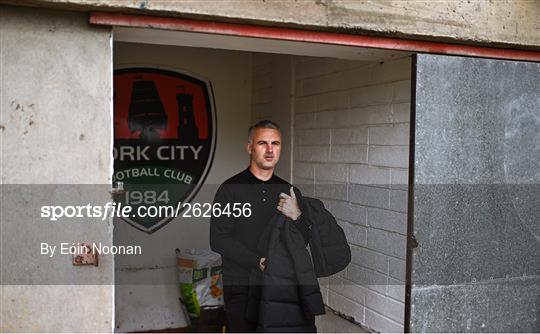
[(236, 239)]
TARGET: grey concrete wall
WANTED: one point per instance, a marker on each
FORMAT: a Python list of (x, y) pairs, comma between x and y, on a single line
[(510, 22), (476, 191), (55, 102)]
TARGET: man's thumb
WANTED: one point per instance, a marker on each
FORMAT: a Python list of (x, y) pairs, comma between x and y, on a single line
[(293, 195)]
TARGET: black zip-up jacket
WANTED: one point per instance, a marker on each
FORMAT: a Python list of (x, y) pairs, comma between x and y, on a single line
[(286, 297)]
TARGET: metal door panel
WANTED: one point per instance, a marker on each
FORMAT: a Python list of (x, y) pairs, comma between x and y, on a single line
[(474, 210)]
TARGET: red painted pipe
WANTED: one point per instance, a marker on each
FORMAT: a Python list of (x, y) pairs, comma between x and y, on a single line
[(244, 30)]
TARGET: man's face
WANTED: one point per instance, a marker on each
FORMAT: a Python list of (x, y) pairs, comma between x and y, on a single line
[(265, 148)]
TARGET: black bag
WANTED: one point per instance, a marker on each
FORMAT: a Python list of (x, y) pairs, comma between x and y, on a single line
[(328, 244)]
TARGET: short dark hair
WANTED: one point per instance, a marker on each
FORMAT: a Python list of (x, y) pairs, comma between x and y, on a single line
[(264, 124)]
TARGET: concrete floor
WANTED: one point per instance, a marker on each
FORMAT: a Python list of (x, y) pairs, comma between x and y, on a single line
[(333, 323), (328, 323)]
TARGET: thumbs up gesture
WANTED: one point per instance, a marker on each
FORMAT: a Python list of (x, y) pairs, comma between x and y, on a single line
[(288, 205)]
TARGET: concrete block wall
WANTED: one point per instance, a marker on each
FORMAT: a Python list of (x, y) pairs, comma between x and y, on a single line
[(351, 135), (261, 96)]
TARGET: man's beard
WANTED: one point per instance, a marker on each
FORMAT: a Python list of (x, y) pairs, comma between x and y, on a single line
[(266, 167), (262, 164)]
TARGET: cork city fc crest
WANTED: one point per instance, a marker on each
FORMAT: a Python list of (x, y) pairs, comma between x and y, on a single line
[(164, 141)]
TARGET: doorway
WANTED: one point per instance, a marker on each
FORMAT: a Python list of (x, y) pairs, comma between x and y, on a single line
[(345, 112)]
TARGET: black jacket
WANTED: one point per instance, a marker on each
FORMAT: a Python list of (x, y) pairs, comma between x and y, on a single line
[(286, 296), (328, 244)]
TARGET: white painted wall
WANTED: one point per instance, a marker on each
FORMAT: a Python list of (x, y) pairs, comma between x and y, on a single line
[(146, 307), (56, 118), (350, 133), (272, 99), (351, 145)]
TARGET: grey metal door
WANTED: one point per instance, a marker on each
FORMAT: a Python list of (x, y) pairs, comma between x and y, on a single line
[(474, 207)]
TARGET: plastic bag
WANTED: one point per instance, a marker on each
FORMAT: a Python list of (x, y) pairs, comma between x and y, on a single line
[(201, 285)]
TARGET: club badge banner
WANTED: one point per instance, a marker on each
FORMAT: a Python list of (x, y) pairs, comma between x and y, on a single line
[(164, 138)]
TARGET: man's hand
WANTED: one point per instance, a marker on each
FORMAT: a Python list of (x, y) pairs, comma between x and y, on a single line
[(262, 263), (289, 206)]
